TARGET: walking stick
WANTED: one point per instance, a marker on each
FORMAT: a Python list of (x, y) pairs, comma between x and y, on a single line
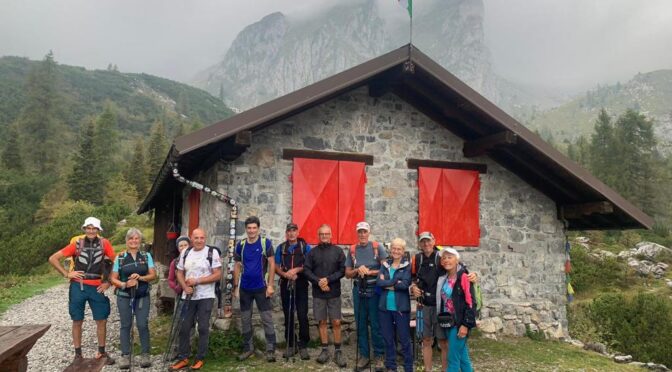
[(132, 302), (173, 329), (180, 320), (291, 297)]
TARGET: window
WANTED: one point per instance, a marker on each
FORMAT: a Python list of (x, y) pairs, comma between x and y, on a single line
[(331, 192), (448, 205)]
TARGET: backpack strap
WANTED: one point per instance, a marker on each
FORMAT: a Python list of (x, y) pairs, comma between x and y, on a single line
[(375, 250), (353, 248), (186, 253), (352, 255)]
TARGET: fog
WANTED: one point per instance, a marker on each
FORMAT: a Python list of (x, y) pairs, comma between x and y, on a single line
[(568, 44)]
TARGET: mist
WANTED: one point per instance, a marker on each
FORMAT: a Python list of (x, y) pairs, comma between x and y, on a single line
[(568, 44)]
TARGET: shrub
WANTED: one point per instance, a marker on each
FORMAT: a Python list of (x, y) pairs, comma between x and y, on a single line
[(591, 273), (225, 343), (581, 326), (640, 326)]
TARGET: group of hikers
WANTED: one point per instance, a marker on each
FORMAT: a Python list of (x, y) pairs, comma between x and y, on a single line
[(383, 286)]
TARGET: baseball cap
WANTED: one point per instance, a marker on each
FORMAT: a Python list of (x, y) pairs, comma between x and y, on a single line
[(425, 235), (363, 226), (292, 226), (449, 250), (93, 221)]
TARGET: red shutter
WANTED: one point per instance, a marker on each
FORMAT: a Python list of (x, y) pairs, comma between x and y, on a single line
[(315, 196), (430, 197), (194, 209), (460, 207), (448, 205), (351, 184)]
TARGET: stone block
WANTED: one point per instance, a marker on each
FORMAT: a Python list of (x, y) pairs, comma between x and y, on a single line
[(490, 325)]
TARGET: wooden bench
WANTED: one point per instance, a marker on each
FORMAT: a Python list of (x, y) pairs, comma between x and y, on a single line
[(16, 342)]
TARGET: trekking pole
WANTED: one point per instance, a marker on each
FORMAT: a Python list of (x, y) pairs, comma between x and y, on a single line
[(173, 328), (132, 319), (293, 319), (290, 313), (183, 312)]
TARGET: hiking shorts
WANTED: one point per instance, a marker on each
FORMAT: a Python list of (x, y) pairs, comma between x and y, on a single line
[(431, 326), (78, 297), (324, 308)]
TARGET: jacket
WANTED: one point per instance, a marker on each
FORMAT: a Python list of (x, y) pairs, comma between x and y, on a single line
[(463, 299), (325, 261), (401, 281)]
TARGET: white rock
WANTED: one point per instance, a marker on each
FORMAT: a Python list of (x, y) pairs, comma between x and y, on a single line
[(490, 325), (623, 358), (651, 250)]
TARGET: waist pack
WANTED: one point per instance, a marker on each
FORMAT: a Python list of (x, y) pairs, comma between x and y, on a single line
[(446, 320), (140, 291)]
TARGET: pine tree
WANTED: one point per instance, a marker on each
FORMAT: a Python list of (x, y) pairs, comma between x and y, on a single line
[(156, 153), (181, 130), (136, 174), (11, 155), (86, 181), (106, 141), (120, 192), (38, 119), (602, 147)]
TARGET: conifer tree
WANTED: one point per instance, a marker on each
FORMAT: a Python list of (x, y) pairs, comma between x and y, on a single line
[(38, 119), (11, 155), (106, 141), (156, 153), (602, 148), (136, 174), (86, 181)]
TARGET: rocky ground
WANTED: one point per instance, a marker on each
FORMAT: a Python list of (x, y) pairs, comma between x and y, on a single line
[(53, 352)]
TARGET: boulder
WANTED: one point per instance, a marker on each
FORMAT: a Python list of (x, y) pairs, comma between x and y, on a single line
[(627, 253), (490, 325), (596, 346), (656, 367), (623, 358), (651, 250)]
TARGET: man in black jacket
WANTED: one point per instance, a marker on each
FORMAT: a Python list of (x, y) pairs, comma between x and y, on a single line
[(324, 267)]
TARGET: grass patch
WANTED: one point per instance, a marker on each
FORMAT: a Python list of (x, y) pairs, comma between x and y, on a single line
[(524, 354), (16, 288)]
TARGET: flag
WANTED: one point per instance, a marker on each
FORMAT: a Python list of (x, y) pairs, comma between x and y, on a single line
[(408, 5)]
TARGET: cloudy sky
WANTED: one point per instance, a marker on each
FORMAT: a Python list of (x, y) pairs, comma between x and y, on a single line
[(569, 44)]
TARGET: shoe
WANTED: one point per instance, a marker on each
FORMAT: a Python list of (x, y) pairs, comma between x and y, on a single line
[(323, 357), (288, 353), (198, 364), (304, 354), (125, 362), (108, 359), (245, 355), (270, 356), (339, 359), (362, 363), (380, 363), (145, 361), (179, 365)]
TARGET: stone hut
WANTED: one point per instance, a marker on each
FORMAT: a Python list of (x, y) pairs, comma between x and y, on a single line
[(404, 144)]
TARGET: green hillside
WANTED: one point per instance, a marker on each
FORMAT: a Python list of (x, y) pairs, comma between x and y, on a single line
[(649, 93), (140, 99)]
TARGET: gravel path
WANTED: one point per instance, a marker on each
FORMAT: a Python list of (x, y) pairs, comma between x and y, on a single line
[(53, 352)]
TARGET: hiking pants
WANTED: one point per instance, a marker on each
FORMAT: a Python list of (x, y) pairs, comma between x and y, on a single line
[(141, 322), (458, 353), (366, 315), (395, 325), (266, 313), (196, 311), (299, 306)]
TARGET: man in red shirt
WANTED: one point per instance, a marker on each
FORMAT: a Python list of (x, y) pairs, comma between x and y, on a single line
[(88, 282)]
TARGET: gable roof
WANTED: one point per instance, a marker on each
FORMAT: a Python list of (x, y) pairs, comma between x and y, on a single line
[(583, 200)]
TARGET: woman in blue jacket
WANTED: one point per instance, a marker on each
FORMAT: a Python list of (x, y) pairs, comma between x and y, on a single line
[(394, 306)]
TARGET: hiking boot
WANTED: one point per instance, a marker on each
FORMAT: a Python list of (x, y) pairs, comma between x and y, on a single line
[(270, 356), (125, 362), (198, 364), (339, 359), (108, 359), (380, 363), (245, 355), (362, 363), (145, 361), (323, 357), (179, 365), (304, 354), (288, 353)]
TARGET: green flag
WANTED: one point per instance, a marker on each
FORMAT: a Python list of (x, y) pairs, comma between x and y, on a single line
[(408, 5)]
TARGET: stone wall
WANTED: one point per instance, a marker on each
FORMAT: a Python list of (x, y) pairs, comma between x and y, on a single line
[(521, 254)]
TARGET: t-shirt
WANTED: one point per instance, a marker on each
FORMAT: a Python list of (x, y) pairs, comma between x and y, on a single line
[(150, 262), (198, 266), (364, 256), (391, 302), (253, 275), (71, 249), (290, 250)]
